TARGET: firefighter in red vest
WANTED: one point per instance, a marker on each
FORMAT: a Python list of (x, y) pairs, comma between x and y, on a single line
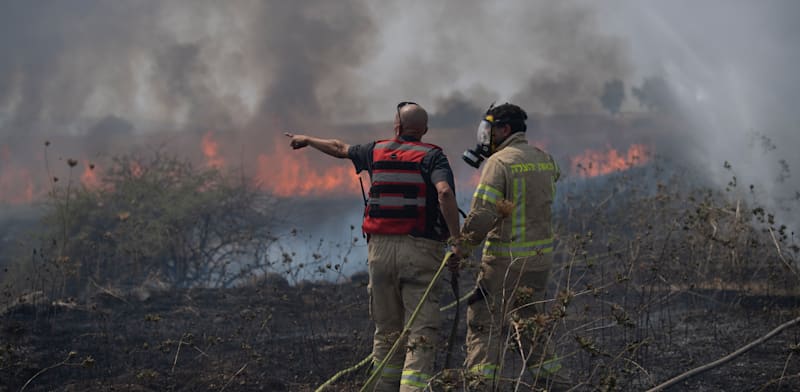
[(410, 214)]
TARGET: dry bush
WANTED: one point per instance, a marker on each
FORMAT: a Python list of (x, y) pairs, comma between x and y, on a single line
[(655, 272), (153, 218)]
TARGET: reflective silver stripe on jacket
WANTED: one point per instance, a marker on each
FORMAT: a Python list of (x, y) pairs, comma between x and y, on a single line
[(389, 371), (397, 201), (415, 379), (486, 192), (518, 216), (415, 178)]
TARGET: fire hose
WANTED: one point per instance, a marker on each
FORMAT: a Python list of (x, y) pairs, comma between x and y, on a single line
[(451, 340)]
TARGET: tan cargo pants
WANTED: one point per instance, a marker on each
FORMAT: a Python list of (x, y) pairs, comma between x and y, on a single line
[(400, 269), (501, 297)]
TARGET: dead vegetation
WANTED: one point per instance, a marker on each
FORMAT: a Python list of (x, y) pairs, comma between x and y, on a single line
[(655, 275)]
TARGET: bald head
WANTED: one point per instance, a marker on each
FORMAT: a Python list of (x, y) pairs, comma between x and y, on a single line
[(414, 120)]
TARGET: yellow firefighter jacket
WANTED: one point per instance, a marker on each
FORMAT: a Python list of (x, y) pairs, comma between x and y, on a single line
[(525, 176)]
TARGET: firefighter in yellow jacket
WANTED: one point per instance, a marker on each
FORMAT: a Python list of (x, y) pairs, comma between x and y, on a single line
[(410, 213), (511, 210)]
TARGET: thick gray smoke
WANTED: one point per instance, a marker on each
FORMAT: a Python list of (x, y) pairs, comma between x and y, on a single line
[(182, 64), (549, 57), (100, 75), (730, 67), (97, 78)]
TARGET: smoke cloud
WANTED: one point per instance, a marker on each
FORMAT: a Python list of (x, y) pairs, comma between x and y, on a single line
[(727, 67), (98, 77)]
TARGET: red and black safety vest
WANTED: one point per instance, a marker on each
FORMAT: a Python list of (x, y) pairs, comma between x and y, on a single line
[(401, 201)]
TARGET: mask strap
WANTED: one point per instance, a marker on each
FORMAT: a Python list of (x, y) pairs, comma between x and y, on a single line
[(489, 118)]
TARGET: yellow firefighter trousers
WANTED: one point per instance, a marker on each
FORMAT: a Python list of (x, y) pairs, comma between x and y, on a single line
[(400, 269), (489, 316)]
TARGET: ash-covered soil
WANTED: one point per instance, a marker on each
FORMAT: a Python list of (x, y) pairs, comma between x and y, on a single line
[(272, 338), (282, 338)]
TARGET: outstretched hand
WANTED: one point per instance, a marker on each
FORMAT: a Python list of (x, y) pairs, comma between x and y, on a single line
[(298, 141)]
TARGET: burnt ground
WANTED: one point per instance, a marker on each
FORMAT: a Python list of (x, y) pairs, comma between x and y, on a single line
[(292, 338)]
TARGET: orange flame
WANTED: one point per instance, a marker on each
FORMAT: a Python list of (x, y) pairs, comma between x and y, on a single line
[(303, 173), (136, 169), (296, 177), (211, 151), (89, 177), (597, 163), (285, 172), (16, 186)]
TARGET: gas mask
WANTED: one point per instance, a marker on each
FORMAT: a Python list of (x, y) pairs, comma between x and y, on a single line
[(485, 146)]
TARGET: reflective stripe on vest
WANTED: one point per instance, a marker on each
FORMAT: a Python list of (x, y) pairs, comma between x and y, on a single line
[(397, 201), (518, 249), (398, 195), (391, 372), (414, 378), (397, 177)]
